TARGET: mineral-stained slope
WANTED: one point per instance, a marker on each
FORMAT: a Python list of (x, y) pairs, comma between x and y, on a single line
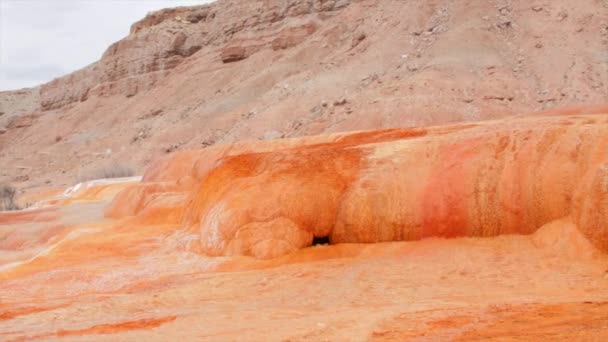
[(215, 244), (497, 177)]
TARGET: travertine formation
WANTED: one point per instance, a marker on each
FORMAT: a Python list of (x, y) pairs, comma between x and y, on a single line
[(498, 177), (170, 257)]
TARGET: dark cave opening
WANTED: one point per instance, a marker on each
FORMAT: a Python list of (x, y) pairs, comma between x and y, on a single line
[(320, 240)]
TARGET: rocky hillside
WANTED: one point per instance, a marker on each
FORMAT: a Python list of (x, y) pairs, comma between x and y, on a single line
[(17, 103), (192, 77)]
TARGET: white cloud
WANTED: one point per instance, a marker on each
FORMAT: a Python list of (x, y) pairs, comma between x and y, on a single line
[(44, 39)]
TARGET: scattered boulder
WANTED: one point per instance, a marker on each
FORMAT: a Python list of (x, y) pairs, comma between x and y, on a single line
[(273, 135), (209, 141), (21, 121), (172, 148), (318, 110), (506, 24), (199, 16), (151, 114), (296, 125), (341, 102), (293, 36), (248, 115), (141, 135), (358, 38), (21, 178), (233, 54)]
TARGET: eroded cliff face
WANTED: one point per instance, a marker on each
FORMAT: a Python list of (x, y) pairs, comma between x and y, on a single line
[(16, 104), (232, 71), (499, 177), (164, 39)]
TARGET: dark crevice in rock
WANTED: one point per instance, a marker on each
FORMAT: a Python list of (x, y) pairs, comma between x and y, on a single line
[(321, 240)]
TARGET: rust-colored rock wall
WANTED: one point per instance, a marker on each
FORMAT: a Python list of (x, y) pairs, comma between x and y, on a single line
[(501, 177)]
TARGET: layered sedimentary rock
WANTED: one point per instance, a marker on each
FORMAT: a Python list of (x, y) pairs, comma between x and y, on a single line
[(233, 71), (164, 39), (16, 103), (500, 177)]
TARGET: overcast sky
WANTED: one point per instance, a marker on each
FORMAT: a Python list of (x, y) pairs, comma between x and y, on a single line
[(44, 39)]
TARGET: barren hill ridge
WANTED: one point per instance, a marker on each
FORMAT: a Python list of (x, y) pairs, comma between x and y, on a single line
[(229, 71)]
